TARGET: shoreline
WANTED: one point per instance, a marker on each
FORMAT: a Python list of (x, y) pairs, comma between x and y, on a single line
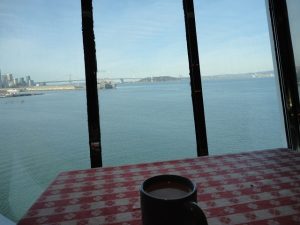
[(35, 90), (53, 88)]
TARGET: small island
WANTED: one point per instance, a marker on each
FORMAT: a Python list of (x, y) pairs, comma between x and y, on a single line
[(158, 79)]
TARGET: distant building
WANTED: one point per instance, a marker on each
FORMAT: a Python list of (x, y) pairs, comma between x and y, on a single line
[(9, 81), (16, 82), (22, 81), (4, 81), (27, 80), (30, 83), (10, 77), (11, 84), (40, 84)]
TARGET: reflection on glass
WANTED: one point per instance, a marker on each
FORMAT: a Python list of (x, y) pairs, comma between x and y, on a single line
[(45, 133), (293, 12), (241, 104)]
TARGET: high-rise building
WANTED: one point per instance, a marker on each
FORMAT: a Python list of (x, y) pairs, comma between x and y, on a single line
[(4, 81), (10, 77), (22, 81), (16, 81), (0, 80), (31, 83), (27, 80)]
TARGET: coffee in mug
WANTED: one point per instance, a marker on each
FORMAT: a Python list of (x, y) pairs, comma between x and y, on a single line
[(170, 200)]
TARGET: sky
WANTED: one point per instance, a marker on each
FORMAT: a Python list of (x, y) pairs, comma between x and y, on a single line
[(134, 38)]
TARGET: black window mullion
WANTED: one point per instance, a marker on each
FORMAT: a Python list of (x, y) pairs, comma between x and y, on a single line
[(195, 77), (91, 83), (286, 70)]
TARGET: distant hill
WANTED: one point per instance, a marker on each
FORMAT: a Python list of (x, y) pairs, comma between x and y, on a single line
[(158, 79), (251, 75), (262, 74)]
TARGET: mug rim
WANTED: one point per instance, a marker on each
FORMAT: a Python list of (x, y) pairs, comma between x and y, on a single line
[(172, 176)]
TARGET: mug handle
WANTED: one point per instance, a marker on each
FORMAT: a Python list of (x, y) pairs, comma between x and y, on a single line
[(197, 213)]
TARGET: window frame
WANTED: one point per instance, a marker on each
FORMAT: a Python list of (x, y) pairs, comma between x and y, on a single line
[(284, 67)]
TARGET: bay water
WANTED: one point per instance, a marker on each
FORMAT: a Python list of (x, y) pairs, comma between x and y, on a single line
[(140, 122)]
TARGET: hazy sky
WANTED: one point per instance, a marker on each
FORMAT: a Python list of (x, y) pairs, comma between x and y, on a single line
[(134, 38)]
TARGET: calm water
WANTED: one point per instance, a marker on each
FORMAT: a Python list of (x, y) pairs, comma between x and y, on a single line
[(43, 135)]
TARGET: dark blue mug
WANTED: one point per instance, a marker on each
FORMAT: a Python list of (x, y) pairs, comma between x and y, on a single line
[(170, 200)]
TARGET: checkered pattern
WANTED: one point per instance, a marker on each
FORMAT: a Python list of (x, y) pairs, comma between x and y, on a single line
[(261, 188)]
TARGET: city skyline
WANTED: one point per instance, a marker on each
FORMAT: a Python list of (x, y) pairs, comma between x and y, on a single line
[(133, 38), (10, 81)]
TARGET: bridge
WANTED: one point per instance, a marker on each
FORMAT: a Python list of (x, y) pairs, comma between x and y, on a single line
[(121, 79)]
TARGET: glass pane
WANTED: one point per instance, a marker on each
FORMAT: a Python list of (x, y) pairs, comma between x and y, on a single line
[(44, 128), (242, 106), (141, 48), (294, 17)]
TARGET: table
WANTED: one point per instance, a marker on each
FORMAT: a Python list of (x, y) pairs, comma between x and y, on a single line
[(261, 187)]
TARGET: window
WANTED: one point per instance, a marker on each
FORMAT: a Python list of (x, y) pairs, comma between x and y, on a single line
[(141, 47), (46, 133), (146, 111), (242, 104)]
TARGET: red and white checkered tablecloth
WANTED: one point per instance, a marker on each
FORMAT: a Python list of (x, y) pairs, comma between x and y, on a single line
[(261, 187)]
